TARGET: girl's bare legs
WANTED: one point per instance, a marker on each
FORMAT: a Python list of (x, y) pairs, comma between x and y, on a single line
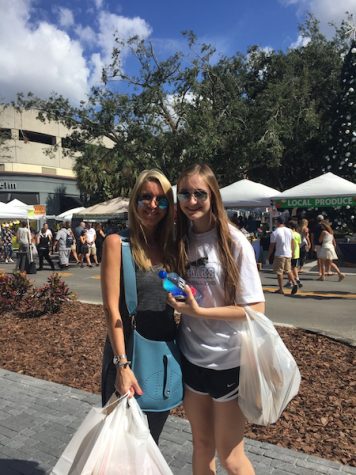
[(229, 426), (199, 411), (332, 265)]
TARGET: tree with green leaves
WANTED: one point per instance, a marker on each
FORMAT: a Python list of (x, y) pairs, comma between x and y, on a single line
[(341, 156)]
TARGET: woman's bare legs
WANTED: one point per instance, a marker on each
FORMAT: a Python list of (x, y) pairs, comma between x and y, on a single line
[(199, 411), (229, 426)]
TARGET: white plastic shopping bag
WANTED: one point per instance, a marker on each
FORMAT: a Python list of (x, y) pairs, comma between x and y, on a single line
[(114, 440), (269, 375)]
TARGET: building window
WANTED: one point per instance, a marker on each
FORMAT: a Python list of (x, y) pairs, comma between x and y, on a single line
[(49, 171), (28, 136), (5, 134)]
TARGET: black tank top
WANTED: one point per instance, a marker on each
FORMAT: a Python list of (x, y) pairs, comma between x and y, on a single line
[(154, 317)]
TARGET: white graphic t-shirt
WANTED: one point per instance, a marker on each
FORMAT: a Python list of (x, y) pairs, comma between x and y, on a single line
[(215, 344)]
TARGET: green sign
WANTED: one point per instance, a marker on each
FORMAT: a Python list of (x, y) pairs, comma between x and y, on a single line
[(316, 202)]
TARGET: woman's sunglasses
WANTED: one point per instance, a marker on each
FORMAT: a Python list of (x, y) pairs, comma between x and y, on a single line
[(199, 195), (146, 199)]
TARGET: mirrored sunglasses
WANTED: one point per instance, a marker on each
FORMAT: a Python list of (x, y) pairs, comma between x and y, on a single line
[(199, 195), (146, 199)]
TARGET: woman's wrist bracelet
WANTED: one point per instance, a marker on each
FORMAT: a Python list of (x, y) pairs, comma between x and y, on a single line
[(123, 364)]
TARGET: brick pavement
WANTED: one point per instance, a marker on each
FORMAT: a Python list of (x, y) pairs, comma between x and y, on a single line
[(38, 418)]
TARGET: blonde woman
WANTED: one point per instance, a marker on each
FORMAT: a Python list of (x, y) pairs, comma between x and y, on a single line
[(151, 214), (219, 261), (327, 252)]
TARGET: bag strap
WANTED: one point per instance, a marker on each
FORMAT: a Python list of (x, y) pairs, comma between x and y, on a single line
[(129, 274)]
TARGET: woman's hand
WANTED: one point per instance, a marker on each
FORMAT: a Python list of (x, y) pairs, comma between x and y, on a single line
[(126, 382), (188, 307)]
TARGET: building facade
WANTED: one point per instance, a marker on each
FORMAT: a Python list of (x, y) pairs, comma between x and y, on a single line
[(33, 167)]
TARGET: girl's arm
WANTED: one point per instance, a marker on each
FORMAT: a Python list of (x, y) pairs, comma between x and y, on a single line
[(110, 285), (230, 312), (322, 236)]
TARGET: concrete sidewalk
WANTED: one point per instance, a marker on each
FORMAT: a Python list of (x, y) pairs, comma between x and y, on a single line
[(38, 418)]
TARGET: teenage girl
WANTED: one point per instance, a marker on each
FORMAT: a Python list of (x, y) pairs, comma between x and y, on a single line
[(219, 261)]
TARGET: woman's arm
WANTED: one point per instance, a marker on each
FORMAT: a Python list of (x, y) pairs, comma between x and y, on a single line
[(110, 285), (322, 236), (230, 312)]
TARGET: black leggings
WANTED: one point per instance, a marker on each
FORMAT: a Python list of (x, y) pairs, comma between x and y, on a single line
[(156, 420)]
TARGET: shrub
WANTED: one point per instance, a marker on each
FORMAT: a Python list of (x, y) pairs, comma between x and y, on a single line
[(13, 288), (51, 296)]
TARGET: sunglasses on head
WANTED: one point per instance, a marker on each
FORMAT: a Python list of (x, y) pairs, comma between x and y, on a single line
[(146, 199), (199, 195)]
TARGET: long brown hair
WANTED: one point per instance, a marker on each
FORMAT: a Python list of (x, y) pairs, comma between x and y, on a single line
[(326, 227), (225, 242), (164, 229)]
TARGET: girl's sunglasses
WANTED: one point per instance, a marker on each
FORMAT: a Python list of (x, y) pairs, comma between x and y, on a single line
[(199, 195), (146, 199)]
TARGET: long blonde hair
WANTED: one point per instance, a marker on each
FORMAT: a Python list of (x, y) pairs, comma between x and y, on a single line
[(225, 242), (164, 230)]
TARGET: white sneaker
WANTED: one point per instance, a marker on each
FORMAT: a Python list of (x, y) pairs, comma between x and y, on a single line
[(10, 260), (6, 261)]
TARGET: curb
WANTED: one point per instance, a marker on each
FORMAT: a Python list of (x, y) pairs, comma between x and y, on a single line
[(316, 331)]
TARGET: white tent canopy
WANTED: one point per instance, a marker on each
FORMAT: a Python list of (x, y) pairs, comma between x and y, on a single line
[(12, 212), (68, 215), (247, 194), (324, 190), (108, 209)]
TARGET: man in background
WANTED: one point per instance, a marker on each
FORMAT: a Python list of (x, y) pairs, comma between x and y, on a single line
[(283, 245)]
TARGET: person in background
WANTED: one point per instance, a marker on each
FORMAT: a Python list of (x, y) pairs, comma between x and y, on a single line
[(91, 239), (7, 235), (43, 246), (283, 245), (297, 238), (23, 236), (100, 236), (77, 233), (265, 242), (327, 252), (151, 218), (316, 245), (84, 249), (305, 245), (218, 260), (61, 244)]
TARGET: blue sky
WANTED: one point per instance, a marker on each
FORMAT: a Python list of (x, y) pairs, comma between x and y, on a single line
[(49, 45)]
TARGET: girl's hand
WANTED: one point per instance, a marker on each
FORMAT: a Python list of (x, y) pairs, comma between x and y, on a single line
[(188, 307), (126, 382)]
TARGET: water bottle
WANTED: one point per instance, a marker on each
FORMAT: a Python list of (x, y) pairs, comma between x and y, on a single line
[(175, 284)]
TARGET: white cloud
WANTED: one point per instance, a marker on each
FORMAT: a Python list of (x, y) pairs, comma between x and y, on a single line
[(98, 3), (86, 34), (124, 28), (326, 11), (301, 42), (66, 18), (43, 58), (40, 59)]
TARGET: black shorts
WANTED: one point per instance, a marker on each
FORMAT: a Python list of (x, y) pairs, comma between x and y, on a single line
[(294, 263), (220, 385)]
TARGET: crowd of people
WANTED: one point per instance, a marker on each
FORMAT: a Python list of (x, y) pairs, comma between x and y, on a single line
[(81, 245), (289, 245)]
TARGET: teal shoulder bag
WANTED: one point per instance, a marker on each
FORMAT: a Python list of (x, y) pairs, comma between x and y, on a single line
[(156, 364)]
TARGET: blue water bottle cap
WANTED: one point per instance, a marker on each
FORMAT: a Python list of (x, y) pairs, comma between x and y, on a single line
[(162, 274)]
